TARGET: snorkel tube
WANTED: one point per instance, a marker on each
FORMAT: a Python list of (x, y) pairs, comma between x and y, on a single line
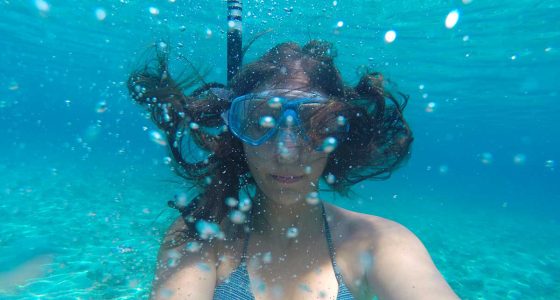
[(234, 43)]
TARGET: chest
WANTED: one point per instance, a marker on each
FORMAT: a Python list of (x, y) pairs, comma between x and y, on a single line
[(305, 272)]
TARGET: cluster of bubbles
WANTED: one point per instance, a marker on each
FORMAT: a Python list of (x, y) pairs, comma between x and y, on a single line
[(208, 230), (450, 21), (239, 209), (518, 159)]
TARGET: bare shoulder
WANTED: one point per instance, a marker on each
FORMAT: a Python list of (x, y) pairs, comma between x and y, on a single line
[(375, 229), (184, 272), (401, 267)]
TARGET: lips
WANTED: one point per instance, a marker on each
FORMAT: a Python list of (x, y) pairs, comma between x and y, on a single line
[(286, 178)]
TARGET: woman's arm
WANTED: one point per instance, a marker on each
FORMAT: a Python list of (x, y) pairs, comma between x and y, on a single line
[(184, 275), (403, 269)]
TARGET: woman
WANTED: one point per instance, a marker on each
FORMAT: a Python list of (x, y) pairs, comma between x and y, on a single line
[(256, 150)]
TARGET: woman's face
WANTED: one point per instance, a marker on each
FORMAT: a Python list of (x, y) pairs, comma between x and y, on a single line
[(286, 168)]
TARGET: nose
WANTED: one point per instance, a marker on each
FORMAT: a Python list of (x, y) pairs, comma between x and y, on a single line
[(287, 144)]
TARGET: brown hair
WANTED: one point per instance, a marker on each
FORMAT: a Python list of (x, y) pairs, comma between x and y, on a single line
[(378, 142)]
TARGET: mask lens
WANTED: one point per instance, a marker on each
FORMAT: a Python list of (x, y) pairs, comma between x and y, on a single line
[(257, 117), (321, 122)]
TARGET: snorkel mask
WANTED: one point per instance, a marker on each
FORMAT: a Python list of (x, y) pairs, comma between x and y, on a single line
[(256, 118)]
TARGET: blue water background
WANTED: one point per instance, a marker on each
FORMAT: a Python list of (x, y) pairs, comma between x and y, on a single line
[(82, 190)]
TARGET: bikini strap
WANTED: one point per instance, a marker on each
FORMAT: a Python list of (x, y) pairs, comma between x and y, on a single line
[(245, 246), (332, 252)]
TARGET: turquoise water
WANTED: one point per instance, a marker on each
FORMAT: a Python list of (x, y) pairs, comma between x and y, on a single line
[(83, 192)]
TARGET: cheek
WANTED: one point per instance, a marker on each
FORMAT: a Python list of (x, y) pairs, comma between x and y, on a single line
[(317, 167), (254, 159)]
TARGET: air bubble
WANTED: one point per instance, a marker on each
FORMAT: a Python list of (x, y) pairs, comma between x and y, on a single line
[(341, 120), (331, 178), (207, 230), (274, 102), (329, 144), (231, 202), (181, 200), (519, 159), (292, 232), (153, 10), (307, 170), (312, 198), (101, 107), (194, 126), (173, 258), (390, 36), (550, 164), (237, 217), (42, 5), (203, 267), (245, 204), (193, 246), (451, 19), (486, 158), (267, 122), (289, 121), (100, 14), (267, 257), (157, 138), (430, 107)]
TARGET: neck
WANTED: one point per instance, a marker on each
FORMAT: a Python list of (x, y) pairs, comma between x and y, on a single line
[(274, 220)]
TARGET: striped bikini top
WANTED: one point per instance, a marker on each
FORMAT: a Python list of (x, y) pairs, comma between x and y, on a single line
[(238, 285)]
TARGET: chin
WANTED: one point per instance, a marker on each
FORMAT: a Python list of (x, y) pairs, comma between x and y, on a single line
[(286, 197)]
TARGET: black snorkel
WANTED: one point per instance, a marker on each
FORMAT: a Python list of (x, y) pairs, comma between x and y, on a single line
[(234, 42)]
